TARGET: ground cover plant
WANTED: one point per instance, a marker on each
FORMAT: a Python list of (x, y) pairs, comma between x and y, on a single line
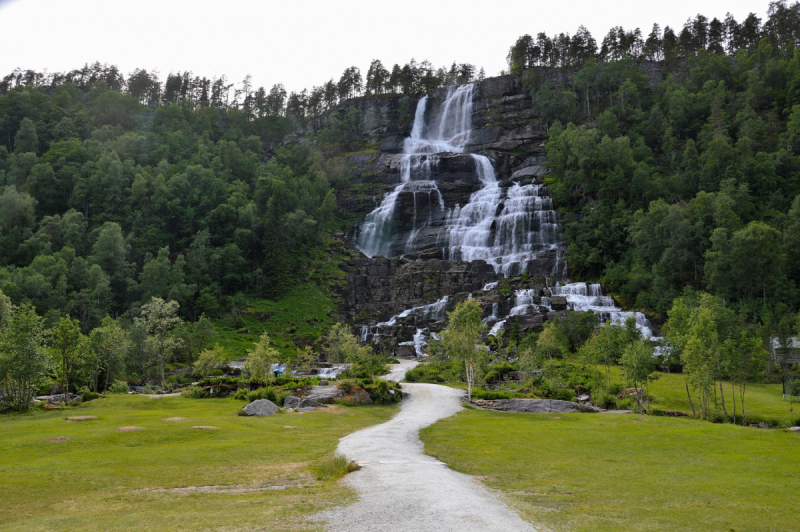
[(91, 476), (607, 472)]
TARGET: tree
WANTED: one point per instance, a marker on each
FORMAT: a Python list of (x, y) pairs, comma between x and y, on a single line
[(196, 336), (70, 349), (605, 347), (158, 320), (638, 364), (26, 140), (110, 345), (747, 355), (210, 359), (6, 310), (461, 340), (344, 347), (551, 343), (261, 358), (24, 361)]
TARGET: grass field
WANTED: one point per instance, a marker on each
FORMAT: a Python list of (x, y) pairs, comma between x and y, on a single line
[(763, 402), (169, 476), (606, 472)]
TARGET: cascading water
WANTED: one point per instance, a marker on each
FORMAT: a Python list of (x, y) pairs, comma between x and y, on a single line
[(509, 226), (589, 296), (504, 226)]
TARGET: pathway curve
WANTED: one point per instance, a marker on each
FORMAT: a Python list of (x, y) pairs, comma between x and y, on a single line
[(401, 488)]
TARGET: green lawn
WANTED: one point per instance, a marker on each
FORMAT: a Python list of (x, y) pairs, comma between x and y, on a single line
[(102, 479), (606, 472), (763, 402)]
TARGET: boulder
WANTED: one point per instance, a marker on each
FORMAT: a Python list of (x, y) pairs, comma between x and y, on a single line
[(261, 407), (558, 303), (794, 429), (323, 394), (310, 403), (306, 409), (291, 402), (538, 406)]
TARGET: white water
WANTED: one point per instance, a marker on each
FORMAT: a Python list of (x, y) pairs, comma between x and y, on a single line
[(589, 296), (505, 227), (430, 313)]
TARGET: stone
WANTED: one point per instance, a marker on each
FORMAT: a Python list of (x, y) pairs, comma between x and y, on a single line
[(584, 398), (558, 303), (794, 429), (129, 429), (261, 407), (538, 406), (323, 394), (306, 409), (763, 425), (205, 427), (174, 419), (310, 403), (291, 401), (323, 383)]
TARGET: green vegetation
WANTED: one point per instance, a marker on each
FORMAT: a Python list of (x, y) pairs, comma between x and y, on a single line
[(582, 472), (90, 476), (336, 466)]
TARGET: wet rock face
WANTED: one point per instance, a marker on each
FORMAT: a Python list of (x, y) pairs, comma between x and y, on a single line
[(380, 288)]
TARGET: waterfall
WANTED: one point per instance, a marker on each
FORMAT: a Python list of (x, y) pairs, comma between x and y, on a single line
[(589, 296), (505, 226)]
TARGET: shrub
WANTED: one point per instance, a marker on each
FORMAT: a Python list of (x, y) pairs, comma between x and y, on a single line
[(625, 404), (498, 371), (195, 392), (87, 395), (119, 387), (281, 396), (262, 393), (336, 466), (607, 401), (656, 412), (241, 394)]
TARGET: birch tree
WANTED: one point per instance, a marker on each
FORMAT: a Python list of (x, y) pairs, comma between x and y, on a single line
[(159, 318), (461, 340)]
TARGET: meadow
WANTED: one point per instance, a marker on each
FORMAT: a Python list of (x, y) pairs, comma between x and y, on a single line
[(245, 474)]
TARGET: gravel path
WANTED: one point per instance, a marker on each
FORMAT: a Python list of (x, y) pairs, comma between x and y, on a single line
[(400, 488)]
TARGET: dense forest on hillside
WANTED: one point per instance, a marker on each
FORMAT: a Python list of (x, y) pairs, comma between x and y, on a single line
[(119, 192), (693, 182)]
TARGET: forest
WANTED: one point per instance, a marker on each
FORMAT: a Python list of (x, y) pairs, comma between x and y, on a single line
[(122, 197)]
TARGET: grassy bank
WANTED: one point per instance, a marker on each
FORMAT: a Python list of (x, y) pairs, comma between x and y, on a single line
[(763, 402), (627, 472), (298, 318), (249, 473)]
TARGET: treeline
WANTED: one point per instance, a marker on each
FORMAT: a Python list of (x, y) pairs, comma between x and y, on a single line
[(728, 36), (195, 92), (693, 182), (106, 203)]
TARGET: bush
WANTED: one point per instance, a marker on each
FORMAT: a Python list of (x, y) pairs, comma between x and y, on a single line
[(282, 396), (336, 466), (625, 404), (262, 393), (607, 401), (87, 395), (195, 392), (656, 412), (241, 394), (119, 387), (498, 371)]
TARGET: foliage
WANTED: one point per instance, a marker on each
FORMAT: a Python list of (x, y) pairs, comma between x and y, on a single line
[(24, 362), (210, 359), (260, 359), (461, 341), (158, 320), (335, 467)]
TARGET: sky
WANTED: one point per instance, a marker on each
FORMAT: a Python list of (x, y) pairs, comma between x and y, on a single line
[(305, 43)]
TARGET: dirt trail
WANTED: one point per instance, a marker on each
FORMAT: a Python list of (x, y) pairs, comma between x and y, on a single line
[(400, 488)]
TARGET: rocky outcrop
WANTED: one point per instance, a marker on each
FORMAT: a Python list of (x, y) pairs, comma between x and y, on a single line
[(537, 406), (380, 288)]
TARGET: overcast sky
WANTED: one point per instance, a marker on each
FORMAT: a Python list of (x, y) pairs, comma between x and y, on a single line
[(304, 43)]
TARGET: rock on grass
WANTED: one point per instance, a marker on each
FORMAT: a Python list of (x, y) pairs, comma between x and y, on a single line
[(261, 407)]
